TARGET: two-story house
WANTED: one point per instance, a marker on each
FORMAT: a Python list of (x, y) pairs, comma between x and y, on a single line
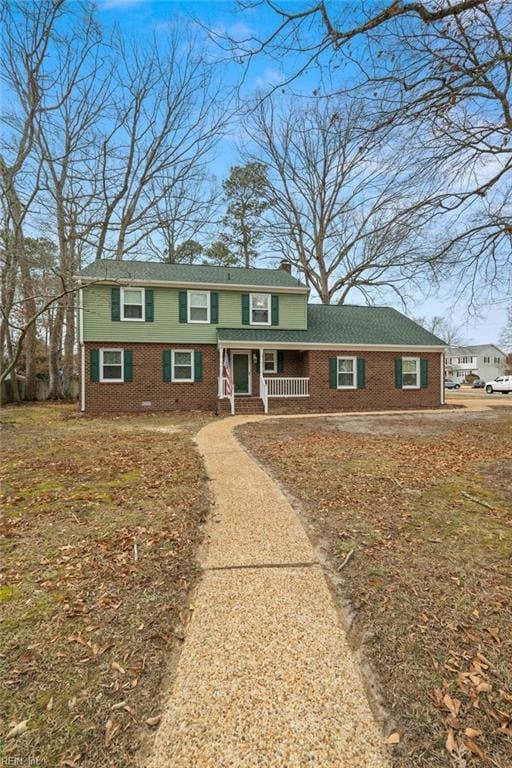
[(156, 337), (483, 360)]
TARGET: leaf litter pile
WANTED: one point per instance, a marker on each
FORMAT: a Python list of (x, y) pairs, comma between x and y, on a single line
[(415, 515), (101, 523)]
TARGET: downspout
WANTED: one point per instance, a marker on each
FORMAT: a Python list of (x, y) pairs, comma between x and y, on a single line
[(82, 349), (442, 378)]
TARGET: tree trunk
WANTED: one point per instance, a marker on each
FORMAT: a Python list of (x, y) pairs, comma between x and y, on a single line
[(55, 392), (69, 347), (29, 310)]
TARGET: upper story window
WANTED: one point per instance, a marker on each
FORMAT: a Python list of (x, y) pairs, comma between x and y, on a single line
[(111, 365), (497, 359), (260, 308), (132, 304), (347, 373), (410, 373), (487, 359), (199, 306)]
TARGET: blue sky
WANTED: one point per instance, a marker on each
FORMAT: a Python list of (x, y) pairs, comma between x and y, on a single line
[(141, 18)]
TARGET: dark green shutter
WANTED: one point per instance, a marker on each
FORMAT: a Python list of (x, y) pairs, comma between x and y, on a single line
[(198, 365), (94, 364), (275, 309), (258, 361), (245, 309), (214, 307), (166, 365), (398, 372), (183, 306), (128, 365), (115, 303), (280, 361), (333, 373), (150, 305), (361, 373), (424, 372)]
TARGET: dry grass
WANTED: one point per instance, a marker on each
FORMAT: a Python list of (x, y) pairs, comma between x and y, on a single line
[(101, 525), (429, 580)]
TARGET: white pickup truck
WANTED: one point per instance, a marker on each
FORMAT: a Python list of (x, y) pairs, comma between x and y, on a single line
[(499, 384)]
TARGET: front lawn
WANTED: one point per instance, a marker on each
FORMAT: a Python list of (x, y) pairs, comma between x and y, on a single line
[(414, 514), (100, 530)]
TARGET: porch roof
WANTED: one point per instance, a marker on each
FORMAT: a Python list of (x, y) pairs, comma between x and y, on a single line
[(342, 325)]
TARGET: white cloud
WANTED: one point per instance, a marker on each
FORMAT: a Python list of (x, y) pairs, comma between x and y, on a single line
[(269, 77)]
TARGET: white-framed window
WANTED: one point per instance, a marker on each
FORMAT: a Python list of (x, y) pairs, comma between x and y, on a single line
[(487, 359), (132, 304), (111, 365), (182, 364), (347, 373), (269, 361), (260, 308), (198, 306), (410, 373)]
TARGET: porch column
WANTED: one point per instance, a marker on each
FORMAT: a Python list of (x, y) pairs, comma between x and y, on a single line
[(220, 387)]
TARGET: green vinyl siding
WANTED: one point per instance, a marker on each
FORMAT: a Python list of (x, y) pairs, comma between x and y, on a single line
[(166, 326)]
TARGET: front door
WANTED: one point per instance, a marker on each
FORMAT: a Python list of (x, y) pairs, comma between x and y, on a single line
[(241, 373)]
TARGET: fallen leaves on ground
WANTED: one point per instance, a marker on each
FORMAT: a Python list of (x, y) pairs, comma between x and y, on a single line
[(428, 577)]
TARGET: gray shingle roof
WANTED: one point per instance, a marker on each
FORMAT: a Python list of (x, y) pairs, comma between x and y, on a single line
[(345, 324), (109, 269)]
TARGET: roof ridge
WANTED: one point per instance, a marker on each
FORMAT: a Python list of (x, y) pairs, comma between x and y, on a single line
[(184, 264)]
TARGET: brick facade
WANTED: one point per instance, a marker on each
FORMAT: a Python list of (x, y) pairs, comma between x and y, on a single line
[(148, 384), (379, 393)]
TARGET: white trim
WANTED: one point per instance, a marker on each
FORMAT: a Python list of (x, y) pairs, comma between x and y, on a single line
[(183, 381), (262, 362), (320, 346), (354, 372), (249, 371), (82, 348), (200, 286), (418, 373), (111, 381), (143, 305), (269, 308)]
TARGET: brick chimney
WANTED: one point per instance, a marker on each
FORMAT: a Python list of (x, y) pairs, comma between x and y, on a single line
[(285, 265)]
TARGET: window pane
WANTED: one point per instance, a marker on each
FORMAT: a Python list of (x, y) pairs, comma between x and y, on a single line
[(112, 358), (409, 366), (132, 296), (260, 316), (133, 311), (346, 379), (183, 358), (345, 366), (260, 300), (199, 299), (182, 372), (409, 380), (199, 313), (112, 372)]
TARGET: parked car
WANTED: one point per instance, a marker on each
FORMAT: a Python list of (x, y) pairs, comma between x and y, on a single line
[(451, 384), (478, 384), (499, 384)]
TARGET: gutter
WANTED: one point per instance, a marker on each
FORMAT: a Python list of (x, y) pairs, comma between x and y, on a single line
[(319, 346), (191, 285)]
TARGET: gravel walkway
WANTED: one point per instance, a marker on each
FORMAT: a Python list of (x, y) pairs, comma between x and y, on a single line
[(266, 678)]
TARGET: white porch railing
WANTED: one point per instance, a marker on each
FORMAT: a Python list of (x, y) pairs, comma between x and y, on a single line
[(287, 386), (223, 393)]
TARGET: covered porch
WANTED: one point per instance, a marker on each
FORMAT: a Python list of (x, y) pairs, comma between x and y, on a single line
[(261, 373)]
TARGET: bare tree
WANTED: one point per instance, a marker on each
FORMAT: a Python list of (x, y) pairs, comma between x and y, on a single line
[(340, 205), (28, 31), (443, 71), (165, 122)]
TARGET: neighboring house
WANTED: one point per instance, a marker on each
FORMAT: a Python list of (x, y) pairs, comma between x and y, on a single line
[(483, 360), (157, 337)]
